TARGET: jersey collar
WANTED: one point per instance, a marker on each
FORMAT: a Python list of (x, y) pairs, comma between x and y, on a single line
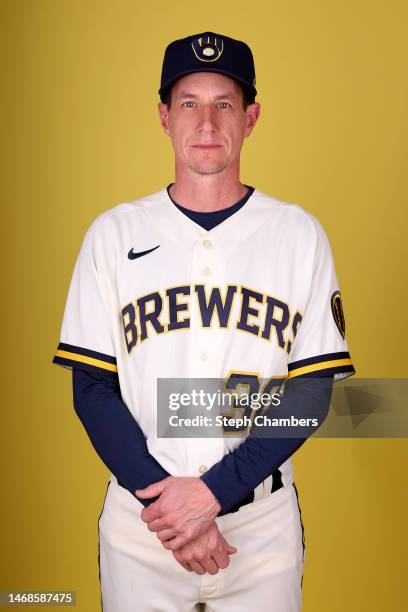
[(177, 226)]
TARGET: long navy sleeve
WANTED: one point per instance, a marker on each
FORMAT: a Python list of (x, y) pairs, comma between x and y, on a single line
[(114, 432), (259, 455), (121, 444)]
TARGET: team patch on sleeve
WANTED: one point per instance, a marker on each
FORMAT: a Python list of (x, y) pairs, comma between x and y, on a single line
[(69, 356), (338, 314), (329, 364)]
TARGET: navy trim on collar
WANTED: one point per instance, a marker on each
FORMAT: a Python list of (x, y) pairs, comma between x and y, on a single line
[(208, 220)]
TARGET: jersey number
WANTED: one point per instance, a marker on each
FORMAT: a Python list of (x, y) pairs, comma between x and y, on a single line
[(247, 385)]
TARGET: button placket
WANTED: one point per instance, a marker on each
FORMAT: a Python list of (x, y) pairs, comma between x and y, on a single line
[(202, 452), (202, 270), (197, 357)]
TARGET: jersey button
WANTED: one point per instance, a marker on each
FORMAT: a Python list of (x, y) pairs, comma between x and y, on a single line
[(202, 469), (207, 243), (206, 271)]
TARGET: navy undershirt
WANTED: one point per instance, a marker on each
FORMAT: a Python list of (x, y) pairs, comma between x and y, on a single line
[(121, 444), (208, 220)]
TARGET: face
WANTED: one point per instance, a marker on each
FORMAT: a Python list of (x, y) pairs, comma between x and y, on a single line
[(207, 122)]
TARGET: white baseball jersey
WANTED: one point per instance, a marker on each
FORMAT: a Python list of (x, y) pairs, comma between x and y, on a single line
[(154, 295)]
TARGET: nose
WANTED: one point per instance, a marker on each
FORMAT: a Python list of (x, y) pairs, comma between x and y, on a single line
[(206, 119)]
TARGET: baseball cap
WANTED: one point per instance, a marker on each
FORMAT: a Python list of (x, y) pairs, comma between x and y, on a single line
[(208, 52)]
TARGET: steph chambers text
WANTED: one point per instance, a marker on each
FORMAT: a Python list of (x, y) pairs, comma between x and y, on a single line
[(260, 420)]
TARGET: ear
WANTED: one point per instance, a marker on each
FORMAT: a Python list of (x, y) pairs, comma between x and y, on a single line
[(253, 112), (164, 117)]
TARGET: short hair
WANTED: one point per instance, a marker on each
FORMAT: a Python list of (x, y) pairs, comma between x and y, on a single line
[(247, 99)]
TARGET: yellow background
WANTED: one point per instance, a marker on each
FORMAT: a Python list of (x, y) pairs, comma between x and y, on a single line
[(81, 134)]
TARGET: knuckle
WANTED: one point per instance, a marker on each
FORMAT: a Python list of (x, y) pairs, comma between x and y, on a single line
[(169, 520), (176, 543), (189, 533), (161, 508), (201, 555), (166, 520)]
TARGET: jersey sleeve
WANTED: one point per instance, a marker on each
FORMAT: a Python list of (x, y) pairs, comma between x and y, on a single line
[(86, 337), (320, 347)]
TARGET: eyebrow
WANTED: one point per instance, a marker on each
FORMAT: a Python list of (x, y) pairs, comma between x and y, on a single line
[(185, 94)]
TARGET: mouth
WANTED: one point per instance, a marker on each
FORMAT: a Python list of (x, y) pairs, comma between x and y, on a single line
[(206, 146)]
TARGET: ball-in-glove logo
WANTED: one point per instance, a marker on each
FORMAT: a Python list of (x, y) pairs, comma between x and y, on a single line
[(208, 48), (338, 315)]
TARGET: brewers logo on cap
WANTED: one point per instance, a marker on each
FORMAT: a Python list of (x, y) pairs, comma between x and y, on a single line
[(208, 48), (338, 315)]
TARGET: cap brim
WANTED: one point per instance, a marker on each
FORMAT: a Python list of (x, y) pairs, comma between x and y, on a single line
[(249, 88)]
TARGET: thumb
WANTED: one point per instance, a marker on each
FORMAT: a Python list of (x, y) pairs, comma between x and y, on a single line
[(231, 550), (152, 490)]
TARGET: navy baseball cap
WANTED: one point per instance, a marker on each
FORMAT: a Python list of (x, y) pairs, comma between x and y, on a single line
[(208, 52)]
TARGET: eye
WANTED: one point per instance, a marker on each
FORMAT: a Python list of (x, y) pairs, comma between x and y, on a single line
[(224, 105), (188, 104)]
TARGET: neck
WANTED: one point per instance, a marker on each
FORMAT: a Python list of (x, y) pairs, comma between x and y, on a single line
[(207, 192)]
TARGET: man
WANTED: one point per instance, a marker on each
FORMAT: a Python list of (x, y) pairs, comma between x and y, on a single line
[(248, 283)]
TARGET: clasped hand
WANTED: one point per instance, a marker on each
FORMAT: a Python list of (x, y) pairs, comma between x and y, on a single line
[(183, 519)]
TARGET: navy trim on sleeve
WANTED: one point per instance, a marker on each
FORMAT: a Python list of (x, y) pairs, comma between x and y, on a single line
[(327, 364), (70, 356)]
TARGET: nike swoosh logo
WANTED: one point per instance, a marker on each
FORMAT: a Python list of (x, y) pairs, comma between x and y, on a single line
[(133, 255)]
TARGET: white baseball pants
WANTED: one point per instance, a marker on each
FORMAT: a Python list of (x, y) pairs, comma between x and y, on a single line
[(137, 574)]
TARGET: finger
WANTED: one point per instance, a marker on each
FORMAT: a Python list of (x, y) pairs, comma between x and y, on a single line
[(176, 542), (210, 566), (179, 558), (156, 525), (150, 513), (231, 550), (221, 559), (152, 490), (165, 534), (197, 567)]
